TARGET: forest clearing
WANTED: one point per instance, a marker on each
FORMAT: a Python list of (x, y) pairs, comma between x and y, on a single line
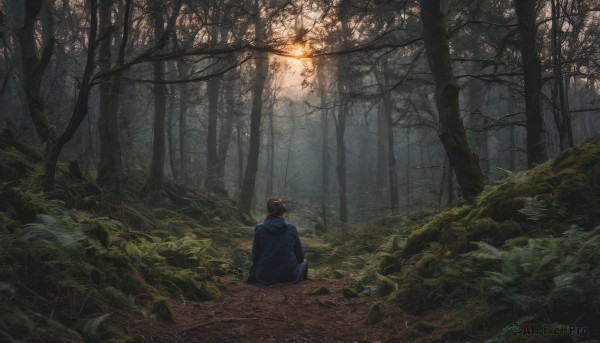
[(169, 167)]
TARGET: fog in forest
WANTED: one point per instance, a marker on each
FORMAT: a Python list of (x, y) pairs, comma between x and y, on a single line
[(331, 105)]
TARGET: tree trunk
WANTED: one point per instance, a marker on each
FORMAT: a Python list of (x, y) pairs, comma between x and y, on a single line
[(240, 153), (110, 171), (81, 106), (526, 19), (212, 160), (271, 154), (170, 125), (33, 67), (261, 61), (391, 155), (382, 154), (340, 128), (154, 185), (451, 129), (324, 163), (560, 108), (182, 70), (388, 109), (225, 136)]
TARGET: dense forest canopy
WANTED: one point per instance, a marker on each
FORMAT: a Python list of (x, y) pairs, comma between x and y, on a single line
[(350, 106)]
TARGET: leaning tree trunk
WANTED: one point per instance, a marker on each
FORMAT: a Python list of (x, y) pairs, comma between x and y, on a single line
[(154, 185), (55, 146), (451, 129), (261, 61), (33, 67), (536, 151)]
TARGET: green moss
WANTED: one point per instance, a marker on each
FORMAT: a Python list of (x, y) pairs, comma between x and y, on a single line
[(430, 231), (116, 298), (428, 265), (20, 205), (349, 292), (98, 231), (162, 309), (376, 313)]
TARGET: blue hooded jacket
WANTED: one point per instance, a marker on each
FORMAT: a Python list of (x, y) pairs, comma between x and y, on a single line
[(276, 253)]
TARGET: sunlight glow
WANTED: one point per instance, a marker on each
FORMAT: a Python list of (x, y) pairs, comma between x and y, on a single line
[(297, 51)]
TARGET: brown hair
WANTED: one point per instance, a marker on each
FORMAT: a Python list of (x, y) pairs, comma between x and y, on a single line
[(275, 207)]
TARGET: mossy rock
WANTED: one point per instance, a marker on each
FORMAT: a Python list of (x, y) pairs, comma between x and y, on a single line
[(430, 231), (98, 231), (349, 292), (390, 262), (376, 313), (20, 205), (162, 309), (428, 266)]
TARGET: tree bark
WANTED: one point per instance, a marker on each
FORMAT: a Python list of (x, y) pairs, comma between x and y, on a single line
[(225, 136), (212, 160), (261, 62), (154, 185), (33, 67), (182, 69), (324, 145), (340, 128), (562, 116), (526, 19), (451, 129), (110, 170)]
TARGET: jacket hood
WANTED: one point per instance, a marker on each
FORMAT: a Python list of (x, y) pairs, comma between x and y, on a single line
[(275, 225)]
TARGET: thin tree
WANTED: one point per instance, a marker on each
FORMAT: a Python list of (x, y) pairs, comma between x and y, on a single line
[(261, 62), (154, 185), (526, 19)]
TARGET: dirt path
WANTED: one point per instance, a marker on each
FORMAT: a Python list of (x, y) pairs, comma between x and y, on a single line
[(277, 313)]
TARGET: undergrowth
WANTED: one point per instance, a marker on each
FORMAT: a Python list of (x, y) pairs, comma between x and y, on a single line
[(526, 252), (71, 258)]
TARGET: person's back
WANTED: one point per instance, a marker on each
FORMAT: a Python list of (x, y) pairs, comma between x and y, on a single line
[(277, 253)]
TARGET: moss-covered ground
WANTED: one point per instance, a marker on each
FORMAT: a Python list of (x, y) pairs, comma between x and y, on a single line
[(525, 254), (527, 251)]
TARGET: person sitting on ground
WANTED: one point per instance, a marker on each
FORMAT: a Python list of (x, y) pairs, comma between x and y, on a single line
[(277, 253)]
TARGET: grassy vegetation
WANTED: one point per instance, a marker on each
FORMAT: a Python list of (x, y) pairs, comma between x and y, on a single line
[(527, 251), (72, 257)]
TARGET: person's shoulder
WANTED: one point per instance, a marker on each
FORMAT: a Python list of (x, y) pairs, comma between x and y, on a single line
[(259, 227)]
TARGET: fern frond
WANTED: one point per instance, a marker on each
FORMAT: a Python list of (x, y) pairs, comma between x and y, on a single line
[(90, 328), (48, 230)]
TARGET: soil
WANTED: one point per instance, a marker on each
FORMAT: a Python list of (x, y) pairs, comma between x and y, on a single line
[(276, 313)]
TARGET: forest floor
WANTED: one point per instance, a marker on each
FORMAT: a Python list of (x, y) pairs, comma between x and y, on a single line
[(276, 313)]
